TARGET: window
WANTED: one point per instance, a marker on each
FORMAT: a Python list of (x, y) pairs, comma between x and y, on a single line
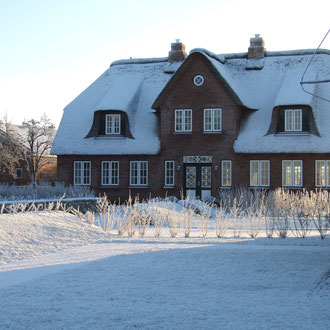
[(112, 124), (183, 120), (110, 173), (19, 173), (259, 173), (82, 173), (169, 172), (292, 173), (322, 173), (198, 80), (212, 120), (138, 173), (226, 173), (293, 120)]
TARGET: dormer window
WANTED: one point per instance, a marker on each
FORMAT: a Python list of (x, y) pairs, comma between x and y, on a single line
[(112, 124), (293, 120)]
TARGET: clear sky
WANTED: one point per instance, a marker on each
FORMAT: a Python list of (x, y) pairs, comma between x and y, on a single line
[(51, 50)]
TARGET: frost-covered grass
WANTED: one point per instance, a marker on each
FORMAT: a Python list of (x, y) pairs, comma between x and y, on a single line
[(42, 191), (58, 272)]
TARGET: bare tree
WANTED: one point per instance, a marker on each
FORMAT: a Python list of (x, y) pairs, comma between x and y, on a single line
[(37, 141), (11, 149)]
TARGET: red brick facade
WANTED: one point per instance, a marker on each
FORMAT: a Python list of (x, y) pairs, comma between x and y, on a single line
[(181, 93)]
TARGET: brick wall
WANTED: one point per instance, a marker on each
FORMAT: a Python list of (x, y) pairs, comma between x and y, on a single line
[(183, 94)]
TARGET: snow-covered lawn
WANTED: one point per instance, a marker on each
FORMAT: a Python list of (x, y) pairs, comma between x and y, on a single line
[(57, 272)]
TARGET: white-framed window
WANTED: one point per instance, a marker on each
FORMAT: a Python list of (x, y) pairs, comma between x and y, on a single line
[(322, 173), (293, 120), (138, 173), (292, 173), (82, 172), (112, 124), (169, 172), (259, 173), (110, 173), (183, 120), (226, 173), (212, 120)]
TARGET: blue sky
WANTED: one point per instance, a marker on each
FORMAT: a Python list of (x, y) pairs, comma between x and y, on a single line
[(52, 50)]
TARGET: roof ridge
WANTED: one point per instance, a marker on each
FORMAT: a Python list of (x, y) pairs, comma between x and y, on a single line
[(140, 61)]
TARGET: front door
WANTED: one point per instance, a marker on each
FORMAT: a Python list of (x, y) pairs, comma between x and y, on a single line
[(197, 178)]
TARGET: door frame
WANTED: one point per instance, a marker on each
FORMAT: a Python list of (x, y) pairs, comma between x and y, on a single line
[(198, 189)]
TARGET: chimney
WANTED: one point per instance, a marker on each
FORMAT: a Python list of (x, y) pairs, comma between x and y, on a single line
[(177, 52), (256, 49)]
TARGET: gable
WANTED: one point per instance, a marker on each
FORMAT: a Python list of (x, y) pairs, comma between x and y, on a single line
[(197, 63)]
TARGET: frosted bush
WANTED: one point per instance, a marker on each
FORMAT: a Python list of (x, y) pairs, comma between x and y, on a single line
[(204, 221), (221, 221)]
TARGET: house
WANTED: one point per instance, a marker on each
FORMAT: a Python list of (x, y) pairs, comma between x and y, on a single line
[(201, 122), (19, 175)]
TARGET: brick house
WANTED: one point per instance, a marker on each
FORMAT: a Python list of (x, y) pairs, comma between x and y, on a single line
[(201, 122), (21, 177)]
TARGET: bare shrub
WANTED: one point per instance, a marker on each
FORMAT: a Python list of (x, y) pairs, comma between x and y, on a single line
[(321, 211), (89, 216), (235, 214), (221, 221), (187, 214), (204, 220)]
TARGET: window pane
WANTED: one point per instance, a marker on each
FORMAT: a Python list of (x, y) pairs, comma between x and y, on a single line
[(226, 172), (264, 175), (105, 173), (254, 173), (178, 120), (116, 124), (217, 120), (297, 171), (187, 120), (297, 120), (77, 173), (169, 173), (114, 173), (108, 121), (143, 173), (287, 173), (207, 120), (288, 120), (86, 173), (328, 173), (320, 172), (134, 173)]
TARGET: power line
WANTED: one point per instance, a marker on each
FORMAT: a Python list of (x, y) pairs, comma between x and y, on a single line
[(302, 83)]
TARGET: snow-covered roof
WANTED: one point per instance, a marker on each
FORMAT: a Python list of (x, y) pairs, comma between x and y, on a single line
[(130, 86), (277, 83), (133, 85)]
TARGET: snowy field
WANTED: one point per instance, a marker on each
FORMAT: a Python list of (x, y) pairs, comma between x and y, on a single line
[(58, 272)]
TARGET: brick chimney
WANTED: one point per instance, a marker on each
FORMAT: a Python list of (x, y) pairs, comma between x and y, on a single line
[(177, 52), (256, 49)]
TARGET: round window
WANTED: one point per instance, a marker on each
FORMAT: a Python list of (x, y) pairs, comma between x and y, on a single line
[(198, 80)]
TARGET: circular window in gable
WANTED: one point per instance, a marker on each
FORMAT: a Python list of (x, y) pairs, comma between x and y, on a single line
[(198, 80)]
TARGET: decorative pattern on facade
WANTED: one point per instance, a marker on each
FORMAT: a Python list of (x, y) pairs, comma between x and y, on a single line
[(191, 177), (197, 159), (206, 177)]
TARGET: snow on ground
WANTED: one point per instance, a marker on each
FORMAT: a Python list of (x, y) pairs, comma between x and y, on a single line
[(98, 280)]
